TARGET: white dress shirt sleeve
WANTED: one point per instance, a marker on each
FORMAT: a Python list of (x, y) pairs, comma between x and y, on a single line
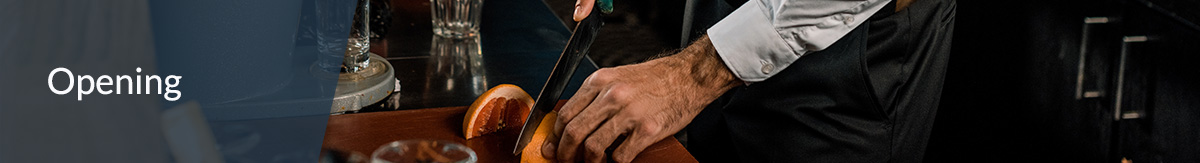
[(763, 37)]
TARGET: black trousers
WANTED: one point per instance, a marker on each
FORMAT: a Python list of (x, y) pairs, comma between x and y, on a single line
[(870, 97)]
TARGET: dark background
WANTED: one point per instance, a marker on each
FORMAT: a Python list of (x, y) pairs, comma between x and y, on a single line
[(1010, 90)]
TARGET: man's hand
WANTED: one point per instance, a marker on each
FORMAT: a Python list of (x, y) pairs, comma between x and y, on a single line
[(645, 102)]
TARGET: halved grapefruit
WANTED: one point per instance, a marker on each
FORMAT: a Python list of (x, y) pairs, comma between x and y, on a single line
[(502, 107), (533, 152)]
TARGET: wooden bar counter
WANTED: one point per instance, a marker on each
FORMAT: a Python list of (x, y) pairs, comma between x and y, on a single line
[(365, 132)]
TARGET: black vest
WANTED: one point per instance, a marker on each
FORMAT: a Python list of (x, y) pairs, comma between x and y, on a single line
[(869, 97)]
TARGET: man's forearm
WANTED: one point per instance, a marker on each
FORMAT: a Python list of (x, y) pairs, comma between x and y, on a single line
[(701, 62)]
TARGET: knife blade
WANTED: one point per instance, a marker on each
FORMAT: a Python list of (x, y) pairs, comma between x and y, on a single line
[(577, 49)]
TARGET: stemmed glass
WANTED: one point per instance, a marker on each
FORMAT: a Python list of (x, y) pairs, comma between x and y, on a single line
[(357, 58), (333, 43)]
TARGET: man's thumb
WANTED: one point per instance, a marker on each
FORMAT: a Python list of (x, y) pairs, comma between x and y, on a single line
[(583, 8)]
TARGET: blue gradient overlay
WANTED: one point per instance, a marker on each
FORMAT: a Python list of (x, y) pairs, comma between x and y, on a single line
[(252, 88)]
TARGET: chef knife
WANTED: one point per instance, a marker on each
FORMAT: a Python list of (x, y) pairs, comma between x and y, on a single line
[(576, 50)]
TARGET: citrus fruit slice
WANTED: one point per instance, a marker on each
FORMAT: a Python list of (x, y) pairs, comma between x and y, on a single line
[(504, 106), (533, 152)]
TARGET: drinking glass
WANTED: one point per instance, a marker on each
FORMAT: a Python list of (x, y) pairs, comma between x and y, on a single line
[(456, 18), (458, 63), (357, 58), (423, 151)]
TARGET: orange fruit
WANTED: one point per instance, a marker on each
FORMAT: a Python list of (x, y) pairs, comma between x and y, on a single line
[(502, 107), (533, 152)]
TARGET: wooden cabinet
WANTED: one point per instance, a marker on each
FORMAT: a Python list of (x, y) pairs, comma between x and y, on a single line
[(1071, 81)]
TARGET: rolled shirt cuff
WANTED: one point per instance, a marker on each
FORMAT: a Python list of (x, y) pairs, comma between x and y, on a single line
[(750, 45)]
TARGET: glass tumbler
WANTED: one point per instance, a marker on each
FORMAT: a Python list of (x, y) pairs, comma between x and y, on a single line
[(423, 151), (456, 18)]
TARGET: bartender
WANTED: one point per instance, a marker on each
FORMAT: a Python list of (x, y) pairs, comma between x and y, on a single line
[(775, 81)]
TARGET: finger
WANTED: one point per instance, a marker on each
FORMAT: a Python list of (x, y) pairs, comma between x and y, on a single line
[(598, 142), (635, 143), (583, 8), (584, 97), (583, 125), (548, 147)]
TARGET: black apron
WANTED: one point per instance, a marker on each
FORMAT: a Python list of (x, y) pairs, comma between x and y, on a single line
[(869, 97)]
